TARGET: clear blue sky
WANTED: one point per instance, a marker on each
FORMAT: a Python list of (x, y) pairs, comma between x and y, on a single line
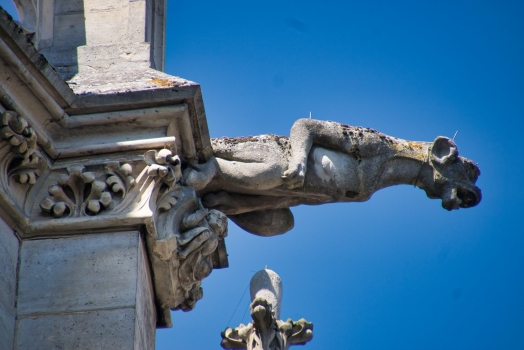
[(396, 272)]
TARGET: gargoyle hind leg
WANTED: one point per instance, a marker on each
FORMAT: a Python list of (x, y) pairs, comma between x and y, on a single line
[(305, 133), (308, 132)]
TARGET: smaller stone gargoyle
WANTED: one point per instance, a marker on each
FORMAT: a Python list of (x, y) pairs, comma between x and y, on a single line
[(267, 332)]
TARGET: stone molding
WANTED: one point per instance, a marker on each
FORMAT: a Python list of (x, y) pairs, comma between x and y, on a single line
[(99, 113), (100, 180)]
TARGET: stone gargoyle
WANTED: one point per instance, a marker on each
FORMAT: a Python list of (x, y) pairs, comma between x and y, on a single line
[(255, 180)]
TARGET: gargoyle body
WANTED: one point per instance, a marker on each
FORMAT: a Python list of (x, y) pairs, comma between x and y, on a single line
[(255, 180)]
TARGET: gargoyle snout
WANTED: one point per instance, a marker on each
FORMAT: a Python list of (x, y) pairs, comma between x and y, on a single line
[(460, 197), (469, 197), (450, 199)]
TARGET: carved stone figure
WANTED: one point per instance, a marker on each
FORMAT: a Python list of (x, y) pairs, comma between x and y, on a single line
[(185, 248), (267, 332), (255, 180)]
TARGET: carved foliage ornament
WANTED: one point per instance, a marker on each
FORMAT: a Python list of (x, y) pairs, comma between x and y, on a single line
[(18, 133), (163, 164), (19, 159), (80, 193)]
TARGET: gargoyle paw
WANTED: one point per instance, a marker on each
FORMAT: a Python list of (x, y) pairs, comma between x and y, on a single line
[(194, 178), (218, 200), (294, 176)]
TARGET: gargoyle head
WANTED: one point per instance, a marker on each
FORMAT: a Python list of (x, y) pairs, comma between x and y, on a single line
[(262, 313), (218, 222), (454, 177)]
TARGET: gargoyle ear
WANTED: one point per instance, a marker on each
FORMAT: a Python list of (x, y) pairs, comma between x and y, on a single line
[(443, 151)]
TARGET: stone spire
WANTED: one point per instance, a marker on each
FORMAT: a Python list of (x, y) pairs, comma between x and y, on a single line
[(267, 332)]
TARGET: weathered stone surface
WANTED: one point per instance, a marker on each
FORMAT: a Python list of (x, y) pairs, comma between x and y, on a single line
[(92, 291), (145, 322), (7, 329), (8, 265), (123, 108), (123, 78), (38, 65), (78, 273), (255, 180), (102, 329)]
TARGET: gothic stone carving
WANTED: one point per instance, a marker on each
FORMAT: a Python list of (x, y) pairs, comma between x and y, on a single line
[(19, 155), (79, 193), (255, 180), (18, 133), (182, 235), (185, 249), (20, 161)]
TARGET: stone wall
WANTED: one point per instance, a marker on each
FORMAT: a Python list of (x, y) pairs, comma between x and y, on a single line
[(9, 247), (86, 292)]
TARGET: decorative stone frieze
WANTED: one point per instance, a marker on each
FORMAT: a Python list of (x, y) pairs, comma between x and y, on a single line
[(131, 187), (79, 193)]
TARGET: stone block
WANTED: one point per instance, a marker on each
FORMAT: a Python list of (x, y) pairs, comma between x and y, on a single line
[(92, 6), (145, 305), (78, 273), (105, 28), (103, 329), (7, 329), (137, 21), (8, 264), (69, 30), (68, 6)]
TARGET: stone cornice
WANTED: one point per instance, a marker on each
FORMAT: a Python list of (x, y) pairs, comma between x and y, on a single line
[(100, 107), (33, 61)]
